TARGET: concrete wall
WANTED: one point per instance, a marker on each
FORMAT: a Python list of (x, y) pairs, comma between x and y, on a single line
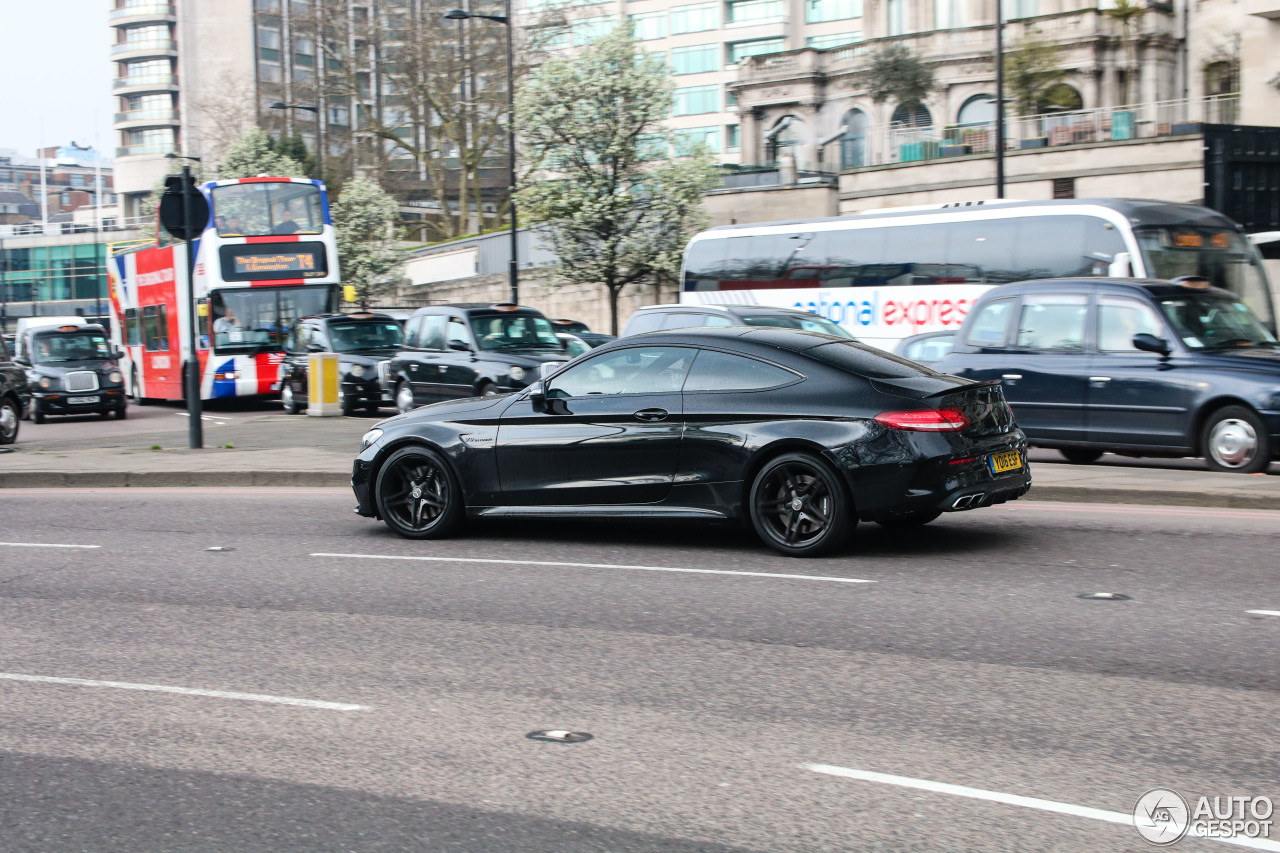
[(1166, 168), (587, 303), (765, 204)]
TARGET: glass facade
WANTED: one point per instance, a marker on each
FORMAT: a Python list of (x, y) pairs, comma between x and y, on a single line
[(696, 100), (52, 273), (817, 11), (743, 49), (694, 19), (830, 41), (696, 59)]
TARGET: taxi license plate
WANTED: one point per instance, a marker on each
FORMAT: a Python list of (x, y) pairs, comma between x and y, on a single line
[(75, 400), (1010, 460)]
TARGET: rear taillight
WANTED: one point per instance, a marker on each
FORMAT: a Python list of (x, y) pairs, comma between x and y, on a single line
[(929, 420)]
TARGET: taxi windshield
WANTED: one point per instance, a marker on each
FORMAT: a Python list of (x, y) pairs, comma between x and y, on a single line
[(267, 208), (366, 335), (50, 349), (1218, 254), (511, 332), (1208, 321)]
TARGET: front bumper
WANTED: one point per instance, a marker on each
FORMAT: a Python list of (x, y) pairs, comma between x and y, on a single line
[(61, 403), (365, 391)]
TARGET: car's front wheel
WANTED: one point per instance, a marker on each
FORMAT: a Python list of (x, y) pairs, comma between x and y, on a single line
[(800, 507), (288, 401), (404, 398), (8, 421), (1235, 439), (418, 496)]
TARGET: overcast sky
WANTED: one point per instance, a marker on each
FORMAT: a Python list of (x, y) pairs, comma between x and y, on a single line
[(55, 74)]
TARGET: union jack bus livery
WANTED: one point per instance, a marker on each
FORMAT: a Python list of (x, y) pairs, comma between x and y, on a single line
[(266, 257)]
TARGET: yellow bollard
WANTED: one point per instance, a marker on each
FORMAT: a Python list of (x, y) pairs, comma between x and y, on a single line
[(324, 385)]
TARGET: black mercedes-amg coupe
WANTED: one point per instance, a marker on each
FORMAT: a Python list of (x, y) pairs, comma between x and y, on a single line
[(802, 434)]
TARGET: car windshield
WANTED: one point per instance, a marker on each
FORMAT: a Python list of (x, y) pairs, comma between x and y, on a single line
[(257, 319), (513, 332), (1220, 255), (264, 208), (810, 323), (365, 335), (1208, 321), (49, 349)]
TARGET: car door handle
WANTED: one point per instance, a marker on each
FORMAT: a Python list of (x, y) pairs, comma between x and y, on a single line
[(1012, 377), (651, 415), (1099, 380)]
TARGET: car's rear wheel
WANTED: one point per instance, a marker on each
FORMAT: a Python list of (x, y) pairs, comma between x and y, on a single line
[(121, 413), (1080, 455), (800, 507), (8, 421), (418, 496), (911, 519), (1235, 439), (288, 401), (404, 398)]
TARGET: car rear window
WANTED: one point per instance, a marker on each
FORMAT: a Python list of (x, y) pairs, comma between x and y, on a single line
[(867, 362)]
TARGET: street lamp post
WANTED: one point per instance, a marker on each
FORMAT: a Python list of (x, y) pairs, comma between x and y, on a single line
[(280, 105), (462, 15), (999, 99), (195, 427)]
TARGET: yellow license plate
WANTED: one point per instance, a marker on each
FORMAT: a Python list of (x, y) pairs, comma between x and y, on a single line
[(1010, 460)]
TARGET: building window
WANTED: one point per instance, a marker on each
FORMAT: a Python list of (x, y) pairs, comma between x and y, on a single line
[(755, 11), (853, 145), (742, 49), (269, 72), (817, 11), (302, 74), (829, 41), (589, 30), (339, 115), (919, 117), (77, 180), (649, 26), (978, 110), (696, 59), (696, 100), (1014, 9), (689, 139), (948, 14), (897, 17), (732, 137), (694, 19), (1064, 187), (135, 35)]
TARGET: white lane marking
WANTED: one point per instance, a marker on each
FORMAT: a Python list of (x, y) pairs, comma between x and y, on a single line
[(186, 691), (598, 566), (1015, 800), (1264, 612), (43, 545), (1133, 509), (204, 417)]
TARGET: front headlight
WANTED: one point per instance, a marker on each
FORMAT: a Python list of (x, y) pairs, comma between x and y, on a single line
[(517, 373), (46, 382), (356, 370), (370, 437), (114, 377)]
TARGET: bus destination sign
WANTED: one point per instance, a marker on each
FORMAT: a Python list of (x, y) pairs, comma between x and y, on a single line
[(302, 262), (273, 262)]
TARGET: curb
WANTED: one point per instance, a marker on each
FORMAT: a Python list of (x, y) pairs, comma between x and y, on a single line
[(1049, 493)]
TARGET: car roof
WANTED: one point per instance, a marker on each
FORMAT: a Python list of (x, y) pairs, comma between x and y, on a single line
[(480, 308), (358, 315), (674, 307), (794, 340), (1149, 286)]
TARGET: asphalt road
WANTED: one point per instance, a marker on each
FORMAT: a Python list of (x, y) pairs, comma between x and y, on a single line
[(738, 706)]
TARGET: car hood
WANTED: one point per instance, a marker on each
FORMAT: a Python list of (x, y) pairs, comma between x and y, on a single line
[(447, 410)]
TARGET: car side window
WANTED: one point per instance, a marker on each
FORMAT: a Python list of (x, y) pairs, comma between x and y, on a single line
[(1052, 322), (720, 371), (990, 326), (431, 332), (411, 331), (718, 321), (4, 351), (929, 349), (1119, 319), (684, 320), (458, 331), (644, 321), (635, 370)]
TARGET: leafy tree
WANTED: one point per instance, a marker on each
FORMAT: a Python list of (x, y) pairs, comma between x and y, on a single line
[(617, 208), (364, 217), (1127, 13), (1033, 71), (295, 148), (254, 153), (897, 74)]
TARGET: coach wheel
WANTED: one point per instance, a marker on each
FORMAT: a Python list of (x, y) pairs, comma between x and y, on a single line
[(800, 507), (418, 496)]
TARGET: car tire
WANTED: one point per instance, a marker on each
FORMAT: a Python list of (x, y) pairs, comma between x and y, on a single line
[(1234, 439), (799, 506), (348, 408), (1080, 455), (911, 519), (486, 389), (9, 417), (418, 495), (135, 391), (288, 401), (404, 398), (371, 408), (121, 413), (37, 416)]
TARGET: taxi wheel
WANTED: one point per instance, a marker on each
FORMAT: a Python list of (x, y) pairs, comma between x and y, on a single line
[(121, 413), (913, 519), (37, 416), (418, 496), (1235, 439), (487, 390), (288, 401), (800, 507), (8, 421), (404, 398)]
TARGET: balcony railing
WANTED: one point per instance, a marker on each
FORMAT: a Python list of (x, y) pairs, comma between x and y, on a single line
[(156, 10), (144, 44), (157, 115), (153, 148), (109, 223), (157, 80), (900, 143)]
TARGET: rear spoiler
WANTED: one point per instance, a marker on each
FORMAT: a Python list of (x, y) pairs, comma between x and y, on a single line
[(986, 383)]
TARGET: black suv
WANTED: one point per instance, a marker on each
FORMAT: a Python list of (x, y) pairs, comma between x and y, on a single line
[(365, 343), (72, 370), (471, 350), (652, 318), (13, 394)]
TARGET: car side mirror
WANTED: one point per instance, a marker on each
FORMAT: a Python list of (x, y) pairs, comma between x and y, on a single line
[(538, 396), (315, 348), (460, 346), (1150, 343), (119, 354)]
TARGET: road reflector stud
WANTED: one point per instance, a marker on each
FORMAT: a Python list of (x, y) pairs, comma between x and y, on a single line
[(1104, 596), (559, 736)]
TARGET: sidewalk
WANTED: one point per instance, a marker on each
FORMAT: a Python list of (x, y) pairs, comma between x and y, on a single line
[(278, 450)]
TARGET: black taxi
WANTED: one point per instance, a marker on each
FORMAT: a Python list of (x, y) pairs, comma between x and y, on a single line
[(72, 370), (471, 350), (14, 393), (1135, 367), (365, 344)]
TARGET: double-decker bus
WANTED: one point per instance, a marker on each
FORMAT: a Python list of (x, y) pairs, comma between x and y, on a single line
[(888, 274), (266, 257)]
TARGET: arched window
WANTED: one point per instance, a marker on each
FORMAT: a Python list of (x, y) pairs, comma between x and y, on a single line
[(918, 117), (1058, 98), (978, 110), (1221, 78), (853, 145)]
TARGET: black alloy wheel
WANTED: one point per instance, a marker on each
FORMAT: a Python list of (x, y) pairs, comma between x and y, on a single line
[(911, 519), (800, 507), (1080, 455), (417, 494), (8, 421)]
